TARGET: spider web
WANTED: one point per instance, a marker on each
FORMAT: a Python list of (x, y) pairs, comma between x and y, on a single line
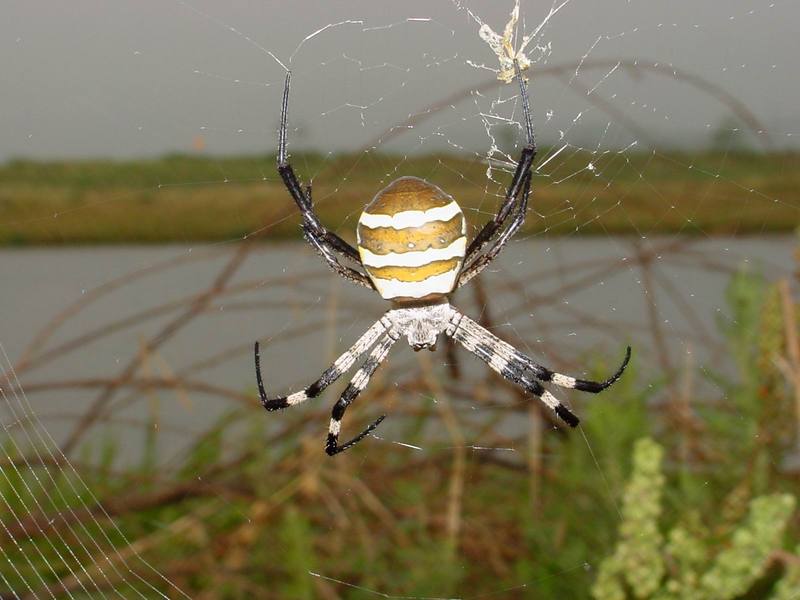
[(140, 352)]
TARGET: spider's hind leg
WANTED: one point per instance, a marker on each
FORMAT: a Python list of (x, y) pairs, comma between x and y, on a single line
[(495, 231), (326, 247), (325, 242)]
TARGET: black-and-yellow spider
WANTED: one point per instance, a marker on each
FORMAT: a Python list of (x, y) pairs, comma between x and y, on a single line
[(412, 250)]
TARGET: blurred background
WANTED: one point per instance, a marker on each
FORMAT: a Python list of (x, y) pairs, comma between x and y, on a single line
[(146, 243)]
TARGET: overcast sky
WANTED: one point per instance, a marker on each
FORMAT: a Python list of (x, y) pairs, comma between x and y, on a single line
[(125, 78)]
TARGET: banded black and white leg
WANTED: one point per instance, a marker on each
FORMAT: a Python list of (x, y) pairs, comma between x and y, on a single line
[(521, 370), (340, 366), (327, 244), (351, 392), (520, 186)]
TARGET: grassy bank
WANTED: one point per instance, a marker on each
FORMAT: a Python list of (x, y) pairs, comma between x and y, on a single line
[(186, 198)]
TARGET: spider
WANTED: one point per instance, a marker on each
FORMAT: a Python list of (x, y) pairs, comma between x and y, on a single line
[(412, 250)]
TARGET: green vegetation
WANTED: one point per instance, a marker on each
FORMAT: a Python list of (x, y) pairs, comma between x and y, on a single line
[(183, 198), (641, 559), (258, 511)]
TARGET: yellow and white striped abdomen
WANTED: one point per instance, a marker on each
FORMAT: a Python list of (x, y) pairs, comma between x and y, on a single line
[(412, 240)]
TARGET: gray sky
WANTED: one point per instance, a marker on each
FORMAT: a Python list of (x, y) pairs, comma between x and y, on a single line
[(125, 78)]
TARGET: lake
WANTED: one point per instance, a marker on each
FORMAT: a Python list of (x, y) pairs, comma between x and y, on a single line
[(176, 324)]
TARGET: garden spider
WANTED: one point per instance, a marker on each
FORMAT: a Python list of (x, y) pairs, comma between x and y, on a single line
[(413, 250)]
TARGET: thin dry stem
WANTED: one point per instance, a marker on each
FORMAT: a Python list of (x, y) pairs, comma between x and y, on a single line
[(456, 488)]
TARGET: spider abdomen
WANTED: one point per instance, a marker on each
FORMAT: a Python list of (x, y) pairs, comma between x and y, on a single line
[(412, 240)]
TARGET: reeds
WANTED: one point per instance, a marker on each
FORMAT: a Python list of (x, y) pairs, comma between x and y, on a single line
[(467, 489)]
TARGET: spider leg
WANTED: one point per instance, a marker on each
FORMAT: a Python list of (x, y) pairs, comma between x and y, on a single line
[(479, 263), (340, 366), (476, 334), (317, 235), (325, 249), (583, 385), (522, 171), (523, 371), (490, 350), (353, 389), (330, 238)]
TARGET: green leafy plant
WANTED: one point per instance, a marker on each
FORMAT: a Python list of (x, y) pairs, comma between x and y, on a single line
[(685, 565)]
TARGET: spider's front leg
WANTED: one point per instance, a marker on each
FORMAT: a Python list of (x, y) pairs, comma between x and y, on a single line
[(339, 367), (353, 389), (521, 370)]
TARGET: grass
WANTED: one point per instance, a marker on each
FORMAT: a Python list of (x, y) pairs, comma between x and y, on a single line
[(256, 510), (193, 198)]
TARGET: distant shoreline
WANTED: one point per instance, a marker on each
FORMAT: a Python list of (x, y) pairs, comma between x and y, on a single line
[(179, 199)]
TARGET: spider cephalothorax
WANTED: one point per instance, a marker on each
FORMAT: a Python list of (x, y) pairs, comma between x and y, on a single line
[(412, 250)]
